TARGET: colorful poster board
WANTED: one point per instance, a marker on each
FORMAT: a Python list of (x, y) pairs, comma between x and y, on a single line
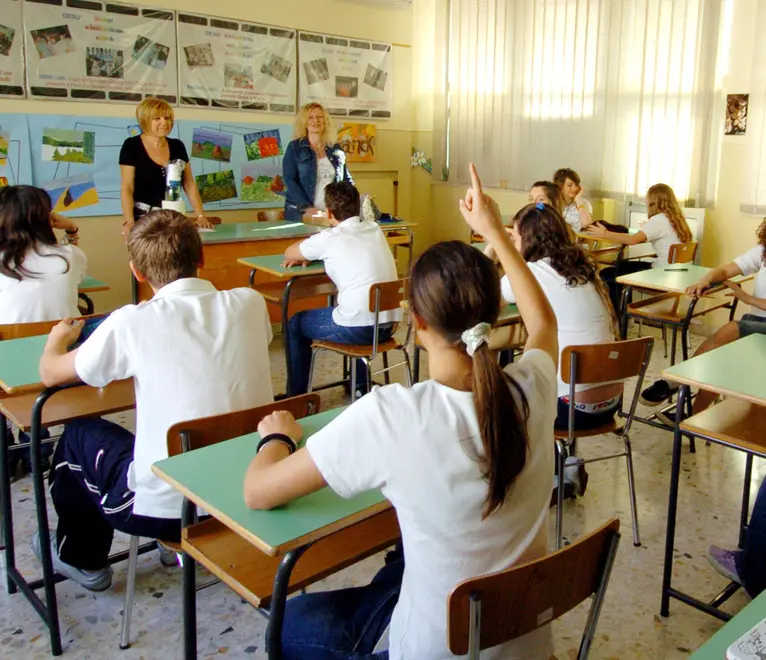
[(224, 63), (15, 160), (11, 49), (237, 166), (350, 77), (99, 51), (358, 141)]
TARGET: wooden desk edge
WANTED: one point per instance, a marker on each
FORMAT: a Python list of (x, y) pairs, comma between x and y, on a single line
[(281, 274), (684, 380), (94, 289), (273, 551), (21, 389)]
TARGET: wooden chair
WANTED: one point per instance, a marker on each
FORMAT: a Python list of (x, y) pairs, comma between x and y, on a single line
[(601, 363), (683, 253), (384, 297), (198, 433), (486, 611)]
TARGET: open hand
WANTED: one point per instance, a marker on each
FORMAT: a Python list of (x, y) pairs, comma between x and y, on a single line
[(289, 263), (280, 421), (479, 210), (596, 229), (697, 290), (204, 223)]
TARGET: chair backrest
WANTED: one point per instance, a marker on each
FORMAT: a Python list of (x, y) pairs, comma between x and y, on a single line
[(599, 363), (21, 330), (388, 296), (522, 598), (207, 431), (682, 253)]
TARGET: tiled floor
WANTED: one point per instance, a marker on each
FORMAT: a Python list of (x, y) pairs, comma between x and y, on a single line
[(630, 626)]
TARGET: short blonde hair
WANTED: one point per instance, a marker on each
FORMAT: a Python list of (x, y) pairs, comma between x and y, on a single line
[(301, 123), (150, 108)]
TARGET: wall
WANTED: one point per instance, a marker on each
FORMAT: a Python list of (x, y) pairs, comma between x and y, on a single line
[(100, 236)]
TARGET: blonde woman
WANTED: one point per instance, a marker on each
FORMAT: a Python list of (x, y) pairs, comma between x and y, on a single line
[(666, 225), (312, 161), (143, 162)]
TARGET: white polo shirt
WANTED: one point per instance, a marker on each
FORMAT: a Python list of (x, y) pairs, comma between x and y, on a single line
[(572, 215), (356, 256), (51, 294), (750, 263), (192, 352), (660, 233), (421, 447)]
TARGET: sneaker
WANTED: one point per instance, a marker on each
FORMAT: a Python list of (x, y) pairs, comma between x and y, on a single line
[(724, 561), (576, 475), (658, 393), (168, 557), (92, 580), (569, 491)]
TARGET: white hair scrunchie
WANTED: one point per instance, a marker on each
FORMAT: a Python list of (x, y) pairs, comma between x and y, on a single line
[(475, 337)]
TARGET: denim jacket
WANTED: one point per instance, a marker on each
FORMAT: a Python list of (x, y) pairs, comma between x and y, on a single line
[(299, 169)]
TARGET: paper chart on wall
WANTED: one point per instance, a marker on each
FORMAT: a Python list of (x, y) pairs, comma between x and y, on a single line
[(15, 163), (11, 49), (224, 63), (99, 51), (237, 166), (350, 77)]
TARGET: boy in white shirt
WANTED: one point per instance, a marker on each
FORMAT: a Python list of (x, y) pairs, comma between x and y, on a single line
[(356, 256), (189, 358)]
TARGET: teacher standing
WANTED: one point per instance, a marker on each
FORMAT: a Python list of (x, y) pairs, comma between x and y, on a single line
[(312, 161), (143, 162)]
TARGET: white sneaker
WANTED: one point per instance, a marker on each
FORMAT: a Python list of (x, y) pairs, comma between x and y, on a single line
[(92, 580)]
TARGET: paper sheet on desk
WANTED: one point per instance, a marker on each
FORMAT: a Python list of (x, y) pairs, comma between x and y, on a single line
[(286, 226), (204, 229)]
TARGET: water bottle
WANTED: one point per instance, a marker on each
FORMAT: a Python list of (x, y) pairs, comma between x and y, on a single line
[(173, 176)]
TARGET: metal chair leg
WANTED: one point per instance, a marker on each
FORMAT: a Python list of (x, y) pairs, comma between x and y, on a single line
[(561, 454), (665, 339), (130, 584), (353, 380), (369, 372), (632, 490), (386, 373), (407, 367), (314, 352)]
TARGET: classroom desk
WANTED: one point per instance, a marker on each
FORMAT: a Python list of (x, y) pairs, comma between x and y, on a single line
[(28, 411), (735, 370), (90, 285), (212, 478), (751, 615)]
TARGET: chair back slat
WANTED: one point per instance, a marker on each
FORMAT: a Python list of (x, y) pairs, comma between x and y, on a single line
[(391, 294), (208, 431), (600, 363), (21, 330), (520, 599), (682, 253)]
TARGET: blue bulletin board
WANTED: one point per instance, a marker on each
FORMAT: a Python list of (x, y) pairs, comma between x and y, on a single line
[(15, 163)]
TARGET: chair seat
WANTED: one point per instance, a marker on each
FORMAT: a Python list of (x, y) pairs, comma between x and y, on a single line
[(673, 307), (357, 351), (610, 427), (173, 546)]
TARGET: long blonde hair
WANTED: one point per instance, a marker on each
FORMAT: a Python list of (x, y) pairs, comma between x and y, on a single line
[(329, 135), (660, 198)]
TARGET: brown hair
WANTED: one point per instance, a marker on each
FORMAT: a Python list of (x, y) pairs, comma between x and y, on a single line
[(164, 246), (545, 235), (761, 233), (301, 123), (150, 108), (552, 192), (342, 200), (660, 198), (25, 224), (564, 173), (453, 288)]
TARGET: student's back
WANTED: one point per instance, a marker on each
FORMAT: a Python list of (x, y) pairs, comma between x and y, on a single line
[(38, 277)]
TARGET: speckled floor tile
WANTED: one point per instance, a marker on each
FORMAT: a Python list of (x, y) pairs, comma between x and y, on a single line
[(630, 626)]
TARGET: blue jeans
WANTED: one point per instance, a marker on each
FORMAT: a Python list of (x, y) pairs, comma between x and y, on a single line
[(304, 327), (751, 560), (344, 624)]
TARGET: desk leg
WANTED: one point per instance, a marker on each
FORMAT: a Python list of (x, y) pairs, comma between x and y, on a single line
[(416, 365), (189, 588), (251, 278), (6, 508), (286, 333), (278, 600), (42, 522), (745, 500), (624, 311), (670, 533)]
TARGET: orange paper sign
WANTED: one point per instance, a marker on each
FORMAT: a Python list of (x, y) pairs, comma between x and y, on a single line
[(358, 141)]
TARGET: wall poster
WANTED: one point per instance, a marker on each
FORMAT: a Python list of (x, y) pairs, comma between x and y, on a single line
[(11, 49)]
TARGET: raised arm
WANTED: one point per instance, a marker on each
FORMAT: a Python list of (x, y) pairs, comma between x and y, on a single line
[(483, 216)]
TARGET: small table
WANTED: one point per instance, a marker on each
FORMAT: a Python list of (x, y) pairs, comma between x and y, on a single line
[(212, 478), (715, 648), (735, 370), (90, 285)]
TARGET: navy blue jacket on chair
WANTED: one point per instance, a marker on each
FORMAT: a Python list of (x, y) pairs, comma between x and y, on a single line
[(299, 170)]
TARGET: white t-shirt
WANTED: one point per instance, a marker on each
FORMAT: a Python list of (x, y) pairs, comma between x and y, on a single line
[(582, 316), (192, 352), (50, 295), (325, 176), (572, 215), (356, 256), (420, 446), (660, 233), (750, 263)]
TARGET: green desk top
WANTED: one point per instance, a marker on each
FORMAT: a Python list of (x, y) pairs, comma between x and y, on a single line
[(747, 618), (213, 478), (239, 232), (735, 369), (508, 314), (19, 360), (272, 263), (92, 284), (675, 277)]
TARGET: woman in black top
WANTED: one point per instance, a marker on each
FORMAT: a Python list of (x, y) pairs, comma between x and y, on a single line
[(143, 159)]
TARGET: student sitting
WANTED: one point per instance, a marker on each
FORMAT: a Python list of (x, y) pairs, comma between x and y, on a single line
[(751, 262), (545, 192), (666, 225), (464, 458), (192, 351), (39, 277), (577, 211), (356, 256)]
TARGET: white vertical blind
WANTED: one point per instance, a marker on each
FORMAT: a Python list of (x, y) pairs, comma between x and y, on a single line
[(754, 188), (620, 90)]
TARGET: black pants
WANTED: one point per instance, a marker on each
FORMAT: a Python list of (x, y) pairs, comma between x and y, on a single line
[(89, 487), (610, 275)]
